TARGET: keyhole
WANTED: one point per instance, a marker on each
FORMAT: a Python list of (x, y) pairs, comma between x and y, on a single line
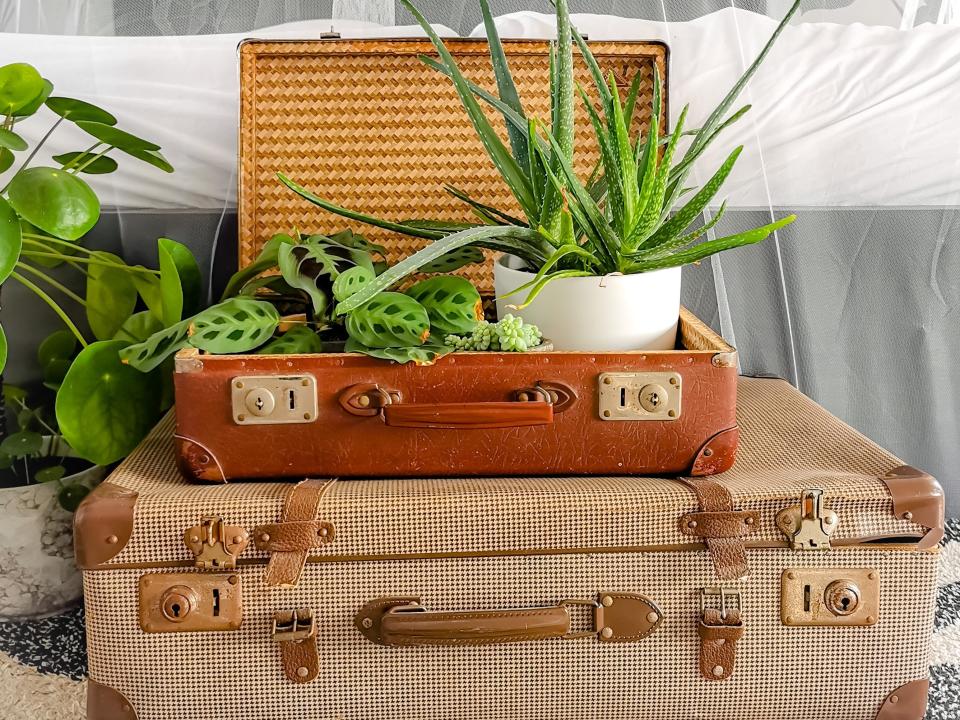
[(216, 602), (175, 608), (654, 399), (292, 398), (845, 603)]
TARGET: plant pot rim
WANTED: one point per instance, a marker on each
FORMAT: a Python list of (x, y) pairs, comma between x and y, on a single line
[(616, 277)]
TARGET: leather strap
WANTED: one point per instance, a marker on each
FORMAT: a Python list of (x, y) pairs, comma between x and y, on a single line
[(728, 551), (289, 546), (298, 646), (719, 633)]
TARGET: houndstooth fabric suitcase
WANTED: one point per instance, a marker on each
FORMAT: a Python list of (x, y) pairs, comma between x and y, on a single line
[(799, 586)]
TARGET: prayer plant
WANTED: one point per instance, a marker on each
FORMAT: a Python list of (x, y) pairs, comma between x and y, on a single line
[(627, 218)]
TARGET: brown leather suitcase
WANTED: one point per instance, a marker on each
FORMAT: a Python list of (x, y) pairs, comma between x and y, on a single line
[(800, 585), (314, 110)]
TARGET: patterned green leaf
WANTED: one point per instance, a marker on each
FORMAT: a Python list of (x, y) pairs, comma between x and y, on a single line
[(311, 269), (389, 320), (426, 354), (298, 340), (234, 326), (454, 260), (452, 303), (351, 281), (150, 354)]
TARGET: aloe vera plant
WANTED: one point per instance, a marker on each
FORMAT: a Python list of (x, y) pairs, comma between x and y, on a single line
[(627, 218)]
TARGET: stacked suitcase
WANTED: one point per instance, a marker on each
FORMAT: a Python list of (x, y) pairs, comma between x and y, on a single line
[(543, 572)]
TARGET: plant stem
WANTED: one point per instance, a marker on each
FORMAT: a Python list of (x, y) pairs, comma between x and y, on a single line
[(41, 241), (52, 283), (79, 168), (53, 306), (33, 153), (81, 156), (89, 261)]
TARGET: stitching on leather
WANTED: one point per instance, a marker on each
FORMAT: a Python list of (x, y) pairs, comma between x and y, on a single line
[(642, 600)]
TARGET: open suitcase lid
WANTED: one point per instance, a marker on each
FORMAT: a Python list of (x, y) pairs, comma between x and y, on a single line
[(366, 124), (789, 445)]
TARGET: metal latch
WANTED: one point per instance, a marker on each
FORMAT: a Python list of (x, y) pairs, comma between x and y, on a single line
[(809, 525), (639, 396), (214, 544), (293, 626)]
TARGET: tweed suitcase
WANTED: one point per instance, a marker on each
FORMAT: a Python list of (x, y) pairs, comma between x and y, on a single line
[(368, 125), (799, 586)]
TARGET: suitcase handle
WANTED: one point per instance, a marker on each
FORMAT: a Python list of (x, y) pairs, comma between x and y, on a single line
[(404, 622)]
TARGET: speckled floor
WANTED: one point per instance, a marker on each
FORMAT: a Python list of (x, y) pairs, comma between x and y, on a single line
[(43, 662)]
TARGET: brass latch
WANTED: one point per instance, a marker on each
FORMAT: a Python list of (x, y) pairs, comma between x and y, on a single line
[(293, 626), (216, 545), (809, 525)]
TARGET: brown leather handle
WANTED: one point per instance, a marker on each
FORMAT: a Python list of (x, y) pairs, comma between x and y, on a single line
[(403, 622), (468, 416)]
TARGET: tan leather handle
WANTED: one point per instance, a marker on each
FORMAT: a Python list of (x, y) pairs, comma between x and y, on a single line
[(403, 622), (468, 416)]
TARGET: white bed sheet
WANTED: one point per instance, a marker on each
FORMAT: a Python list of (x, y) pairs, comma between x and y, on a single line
[(181, 92), (843, 115)]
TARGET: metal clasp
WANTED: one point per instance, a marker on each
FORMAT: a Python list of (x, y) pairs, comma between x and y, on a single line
[(293, 626), (809, 525), (726, 596), (214, 544)]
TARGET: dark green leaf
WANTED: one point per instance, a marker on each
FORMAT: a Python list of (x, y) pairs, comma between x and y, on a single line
[(265, 260), (13, 396), (6, 159), (104, 407), (111, 295), (311, 269), (55, 371), (50, 474), (120, 139), (19, 85), (58, 345), (298, 340), (79, 111), (181, 284), (55, 201), (234, 326), (4, 350), (71, 496), (101, 166), (22, 444), (11, 240), (9, 139)]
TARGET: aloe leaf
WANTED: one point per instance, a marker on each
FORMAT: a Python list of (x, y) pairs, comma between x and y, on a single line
[(630, 105), (556, 257), (535, 169), (691, 155), (594, 67), (426, 354), (150, 354), (689, 212), (683, 240), (234, 326), (444, 226), (360, 217), (505, 85), (523, 237), (594, 241), (647, 164), (537, 288), (298, 340), (609, 160), (511, 171), (498, 216), (622, 149), (712, 247)]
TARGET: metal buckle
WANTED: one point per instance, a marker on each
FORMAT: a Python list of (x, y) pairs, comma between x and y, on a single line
[(723, 594), (293, 626), (584, 633)]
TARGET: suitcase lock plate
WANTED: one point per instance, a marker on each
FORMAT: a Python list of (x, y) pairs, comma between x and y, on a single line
[(639, 396), (190, 602), (273, 399), (829, 596), (809, 525)]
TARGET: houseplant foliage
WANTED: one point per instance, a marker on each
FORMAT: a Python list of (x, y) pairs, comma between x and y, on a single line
[(103, 407), (636, 214), (285, 302)]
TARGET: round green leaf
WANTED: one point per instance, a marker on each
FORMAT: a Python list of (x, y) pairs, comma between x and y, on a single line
[(79, 111), (55, 371), (3, 350), (104, 407), (55, 201), (11, 240), (181, 284), (138, 327), (50, 474), (452, 302), (19, 85), (6, 159), (6, 462), (350, 281), (21, 444), (13, 394), (59, 345), (120, 139), (71, 496), (111, 295), (9, 139), (31, 107), (100, 166)]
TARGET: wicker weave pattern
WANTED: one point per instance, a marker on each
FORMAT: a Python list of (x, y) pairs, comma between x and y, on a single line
[(788, 444), (367, 125), (781, 672)]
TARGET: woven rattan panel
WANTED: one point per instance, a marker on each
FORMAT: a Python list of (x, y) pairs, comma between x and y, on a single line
[(788, 673), (788, 444), (366, 124)]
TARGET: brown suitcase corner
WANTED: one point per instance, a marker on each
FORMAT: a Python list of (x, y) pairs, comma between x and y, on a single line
[(105, 703), (917, 497), (102, 525), (907, 702), (197, 462)]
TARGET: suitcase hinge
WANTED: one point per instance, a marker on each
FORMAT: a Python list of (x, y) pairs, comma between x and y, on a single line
[(214, 544), (808, 525)]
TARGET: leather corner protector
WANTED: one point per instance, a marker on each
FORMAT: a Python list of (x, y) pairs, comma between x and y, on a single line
[(907, 702), (627, 616), (725, 524), (197, 462), (725, 359), (717, 454), (918, 498), (188, 361), (105, 703), (103, 524)]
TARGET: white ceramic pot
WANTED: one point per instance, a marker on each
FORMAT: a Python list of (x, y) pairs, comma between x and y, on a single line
[(612, 312), (38, 575)]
